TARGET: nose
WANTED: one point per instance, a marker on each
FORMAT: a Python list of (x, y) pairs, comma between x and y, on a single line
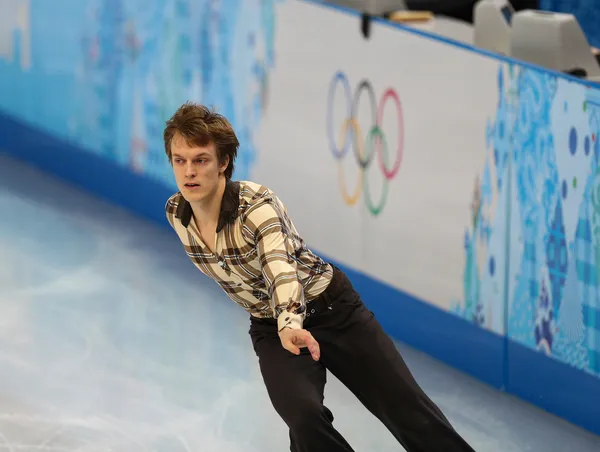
[(190, 170)]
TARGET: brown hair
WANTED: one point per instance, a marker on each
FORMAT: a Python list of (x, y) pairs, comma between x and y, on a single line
[(199, 126)]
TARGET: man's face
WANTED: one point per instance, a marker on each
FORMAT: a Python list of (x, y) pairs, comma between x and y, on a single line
[(196, 168)]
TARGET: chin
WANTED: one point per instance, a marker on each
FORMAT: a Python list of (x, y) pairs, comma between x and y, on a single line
[(193, 197)]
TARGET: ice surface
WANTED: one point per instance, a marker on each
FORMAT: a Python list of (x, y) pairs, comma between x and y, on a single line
[(110, 340)]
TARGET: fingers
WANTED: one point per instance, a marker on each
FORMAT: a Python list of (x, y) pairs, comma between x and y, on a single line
[(313, 345), (288, 341), (296, 339), (315, 351), (289, 345)]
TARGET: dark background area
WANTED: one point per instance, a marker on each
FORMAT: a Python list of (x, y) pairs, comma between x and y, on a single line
[(462, 9)]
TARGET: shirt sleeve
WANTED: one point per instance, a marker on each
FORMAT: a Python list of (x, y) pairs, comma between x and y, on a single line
[(267, 226)]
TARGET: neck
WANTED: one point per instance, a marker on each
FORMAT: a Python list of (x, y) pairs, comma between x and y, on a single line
[(208, 210)]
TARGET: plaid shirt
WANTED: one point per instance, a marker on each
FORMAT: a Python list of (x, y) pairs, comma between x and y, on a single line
[(260, 261)]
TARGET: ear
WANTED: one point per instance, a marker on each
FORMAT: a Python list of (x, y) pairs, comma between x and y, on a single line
[(225, 164)]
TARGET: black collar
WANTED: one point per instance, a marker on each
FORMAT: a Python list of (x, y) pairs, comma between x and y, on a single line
[(229, 207)]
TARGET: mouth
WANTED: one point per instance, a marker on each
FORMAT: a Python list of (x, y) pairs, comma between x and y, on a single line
[(191, 186)]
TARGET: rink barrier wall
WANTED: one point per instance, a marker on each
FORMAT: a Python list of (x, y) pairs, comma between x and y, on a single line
[(493, 358)]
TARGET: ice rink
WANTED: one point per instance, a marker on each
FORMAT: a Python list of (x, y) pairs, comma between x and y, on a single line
[(110, 340)]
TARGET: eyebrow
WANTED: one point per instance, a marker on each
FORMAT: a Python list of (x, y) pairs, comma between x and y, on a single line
[(202, 154)]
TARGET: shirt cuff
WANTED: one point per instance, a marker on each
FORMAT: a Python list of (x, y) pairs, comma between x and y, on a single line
[(289, 320)]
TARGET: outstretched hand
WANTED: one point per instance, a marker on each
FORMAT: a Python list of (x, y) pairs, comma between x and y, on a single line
[(295, 339)]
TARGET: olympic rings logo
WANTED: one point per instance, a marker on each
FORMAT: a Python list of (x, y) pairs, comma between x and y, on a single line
[(351, 134)]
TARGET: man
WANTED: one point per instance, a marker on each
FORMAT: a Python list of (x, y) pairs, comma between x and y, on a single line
[(305, 316)]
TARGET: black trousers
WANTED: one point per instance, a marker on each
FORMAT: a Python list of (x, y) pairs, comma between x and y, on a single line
[(359, 353)]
